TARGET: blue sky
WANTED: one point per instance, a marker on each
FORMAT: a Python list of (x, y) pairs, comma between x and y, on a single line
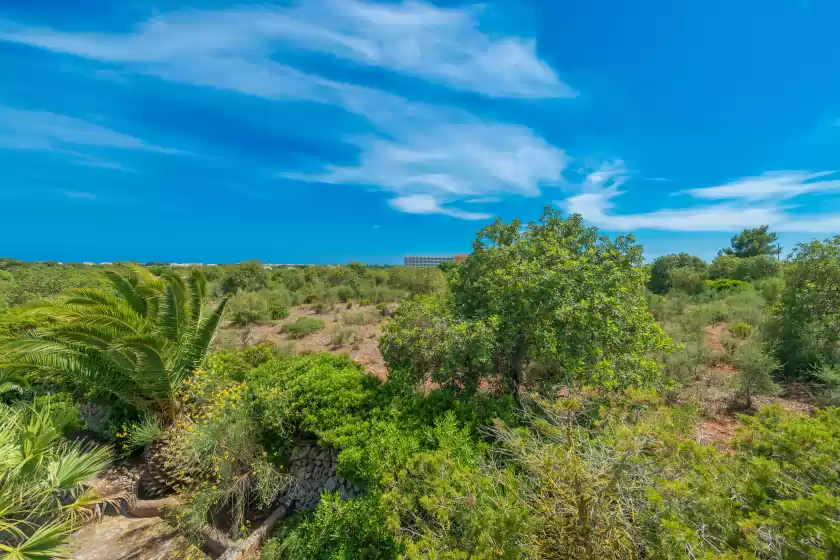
[(327, 131)]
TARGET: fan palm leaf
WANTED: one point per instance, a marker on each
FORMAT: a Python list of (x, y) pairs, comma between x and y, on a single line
[(39, 473)]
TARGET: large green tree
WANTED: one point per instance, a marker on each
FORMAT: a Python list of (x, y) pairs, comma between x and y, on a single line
[(137, 339), (553, 293), (753, 242), (806, 320)]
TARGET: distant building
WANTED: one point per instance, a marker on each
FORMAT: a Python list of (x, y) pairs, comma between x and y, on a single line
[(411, 260)]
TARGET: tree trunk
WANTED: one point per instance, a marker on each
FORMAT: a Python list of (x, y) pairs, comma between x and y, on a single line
[(516, 365)]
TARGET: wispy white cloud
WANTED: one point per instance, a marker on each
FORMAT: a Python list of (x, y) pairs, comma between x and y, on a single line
[(443, 45), (429, 157), (483, 200), (447, 157), (425, 204), (776, 185), (41, 130), (751, 202)]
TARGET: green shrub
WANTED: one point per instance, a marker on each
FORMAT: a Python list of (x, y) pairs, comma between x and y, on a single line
[(322, 307), (224, 443), (447, 503), (278, 301), (142, 433), (775, 498), (726, 284), (740, 330), (557, 292), (355, 318), (349, 529), (745, 269), (660, 270), (344, 336), (322, 394), (303, 327), (235, 363), (755, 369), (247, 308), (828, 376), (63, 410), (770, 288), (687, 280), (426, 340)]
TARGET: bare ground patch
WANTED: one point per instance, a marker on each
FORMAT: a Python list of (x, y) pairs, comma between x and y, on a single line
[(364, 349)]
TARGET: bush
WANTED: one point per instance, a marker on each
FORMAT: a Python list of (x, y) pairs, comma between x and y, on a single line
[(660, 270), (344, 336), (687, 280), (770, 288), (225, 443), (426, 340), (755, 369), (355, 318), (355, 528), (65, 415), (558, 292), (322, 394), (303, 327), (740, 330), (279, 301), (246, 276), (726, 284), (247, 308)]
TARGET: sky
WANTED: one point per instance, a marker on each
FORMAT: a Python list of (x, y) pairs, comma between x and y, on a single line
[(328, 131)]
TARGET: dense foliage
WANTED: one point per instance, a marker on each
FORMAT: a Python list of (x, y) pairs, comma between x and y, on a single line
[(807, 318), (555, 293), (550, 397)]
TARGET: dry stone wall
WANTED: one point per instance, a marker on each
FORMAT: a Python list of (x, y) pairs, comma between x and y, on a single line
[(314, 469)]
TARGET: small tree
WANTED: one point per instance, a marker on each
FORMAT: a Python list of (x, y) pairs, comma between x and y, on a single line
[(555, 293), (660, 270), (755, 368), (753, 242)]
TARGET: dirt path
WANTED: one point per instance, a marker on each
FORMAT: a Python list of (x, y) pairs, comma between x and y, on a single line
[(720, 424), (126, 538)]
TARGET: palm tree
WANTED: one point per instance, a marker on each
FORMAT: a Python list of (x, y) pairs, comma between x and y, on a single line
[(43, 484), (136, 339)]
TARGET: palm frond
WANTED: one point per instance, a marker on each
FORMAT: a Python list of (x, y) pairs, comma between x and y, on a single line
[(73, 466), (128, 291), (197, 349), (46, 543)]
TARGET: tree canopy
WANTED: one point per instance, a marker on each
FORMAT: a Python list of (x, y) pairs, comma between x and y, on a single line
[(660, 271), (554, 293), (752, 242)]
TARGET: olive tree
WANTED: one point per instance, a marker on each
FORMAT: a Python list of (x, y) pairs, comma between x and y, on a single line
[(554, 292)]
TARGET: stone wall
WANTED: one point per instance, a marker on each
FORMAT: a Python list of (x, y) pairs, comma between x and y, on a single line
[(314, 470)]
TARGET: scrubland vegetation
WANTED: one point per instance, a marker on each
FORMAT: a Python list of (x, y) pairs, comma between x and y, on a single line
[(552, 397)]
